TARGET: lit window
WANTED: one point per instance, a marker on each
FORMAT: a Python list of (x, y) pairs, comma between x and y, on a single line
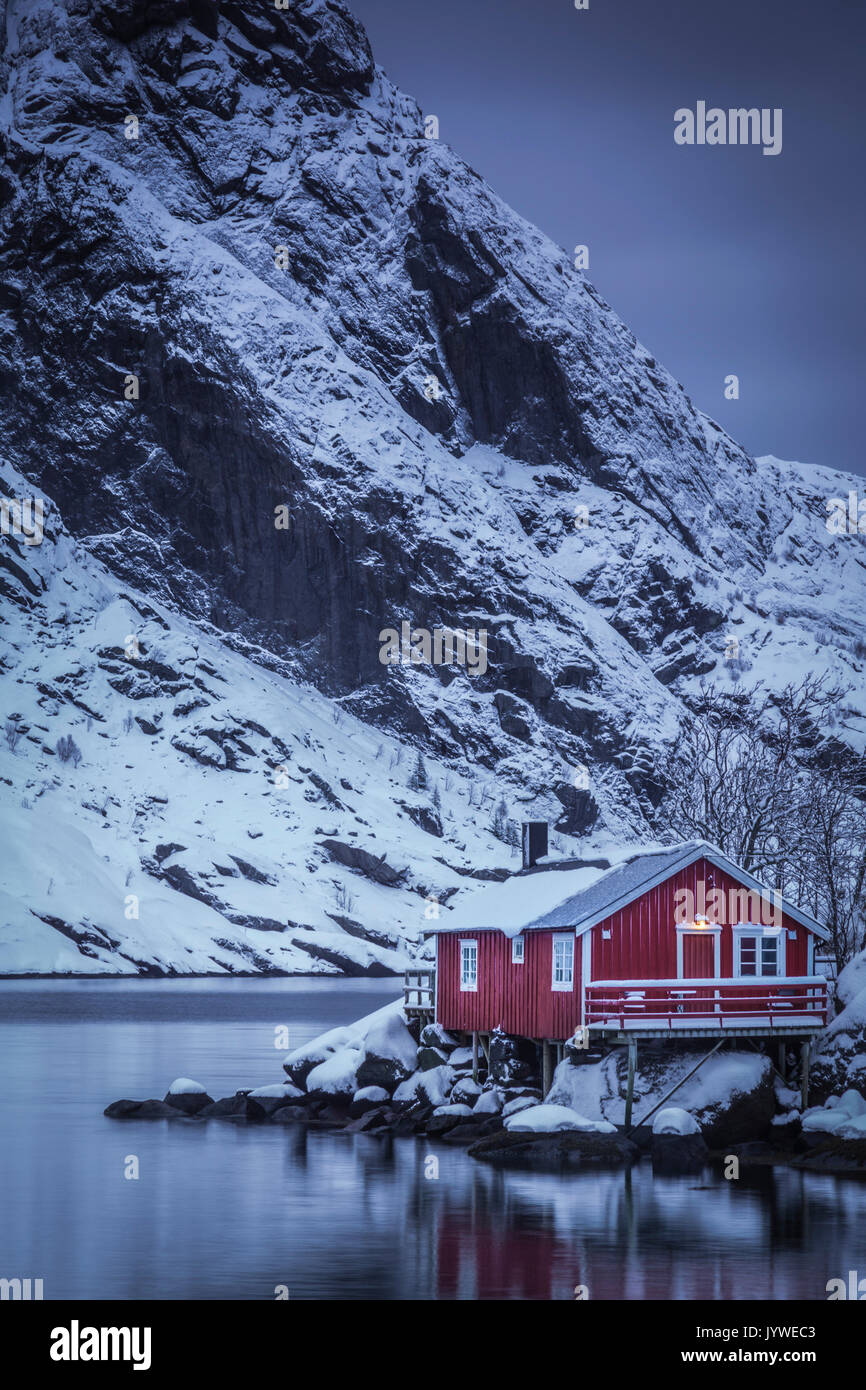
[(517, 950), (563, 962), (469, 965)]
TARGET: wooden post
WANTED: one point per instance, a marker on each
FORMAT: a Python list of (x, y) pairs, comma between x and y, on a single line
[(805, 1049), (632, 1067), (546, 1069), (474, 1056), (782, 1059)]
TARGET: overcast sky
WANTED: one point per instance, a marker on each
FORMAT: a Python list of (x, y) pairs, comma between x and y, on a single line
[(720, 258)]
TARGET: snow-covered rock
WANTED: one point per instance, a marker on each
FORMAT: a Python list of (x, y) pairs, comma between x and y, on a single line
[(183, 1086), (280, 1091), (513, 1107), (337, 1076), (490, 1102), (673, 1120), (187, 1096), (548, 1119), (390, 1052), (840, 1054), (843, 1111), (466, 1090), (377, 1094), (429, 1087), (458, 1111), (731, 1095)]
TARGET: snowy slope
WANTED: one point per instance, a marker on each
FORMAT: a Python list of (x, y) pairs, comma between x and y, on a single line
[(199, 830), (284, 263)]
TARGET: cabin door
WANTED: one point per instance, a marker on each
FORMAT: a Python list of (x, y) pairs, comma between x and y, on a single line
[(699, 956)]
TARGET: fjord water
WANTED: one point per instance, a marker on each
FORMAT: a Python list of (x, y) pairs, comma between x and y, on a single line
[(228, 1211)]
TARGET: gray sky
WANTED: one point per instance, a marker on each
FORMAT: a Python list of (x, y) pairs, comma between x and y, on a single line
[(720, 258)]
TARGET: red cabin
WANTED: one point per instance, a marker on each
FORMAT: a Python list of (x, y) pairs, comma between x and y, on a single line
[(679, 942)]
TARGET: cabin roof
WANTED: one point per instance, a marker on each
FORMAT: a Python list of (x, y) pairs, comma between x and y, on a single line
[(579, 898)]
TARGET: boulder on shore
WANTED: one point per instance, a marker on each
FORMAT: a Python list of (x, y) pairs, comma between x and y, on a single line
[(187, 1096), (566, 1151), (142, 1110), (511, 1059), (678, 1153), (390, 1053)]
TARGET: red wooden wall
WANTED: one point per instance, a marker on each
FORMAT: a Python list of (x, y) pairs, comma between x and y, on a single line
[(515, 998), (642, 946), (643, 938)]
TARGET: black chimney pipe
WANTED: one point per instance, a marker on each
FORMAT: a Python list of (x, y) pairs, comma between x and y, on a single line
[(534, 842)]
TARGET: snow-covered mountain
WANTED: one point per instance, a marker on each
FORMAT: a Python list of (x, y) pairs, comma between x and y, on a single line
[(291, 374)]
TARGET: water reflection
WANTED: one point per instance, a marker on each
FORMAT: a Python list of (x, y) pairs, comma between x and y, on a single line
[(223, 1211)]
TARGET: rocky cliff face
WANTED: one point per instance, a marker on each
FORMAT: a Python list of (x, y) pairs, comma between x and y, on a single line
[(290, 368)]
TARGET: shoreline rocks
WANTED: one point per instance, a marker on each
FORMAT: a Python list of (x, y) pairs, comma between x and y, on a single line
[(386, 1076)]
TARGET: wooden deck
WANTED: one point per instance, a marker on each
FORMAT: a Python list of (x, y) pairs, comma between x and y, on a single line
[(768, 1006)]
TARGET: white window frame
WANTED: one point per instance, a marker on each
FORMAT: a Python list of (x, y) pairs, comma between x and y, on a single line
[(777, 934), (686, 929), (566, 985), (518, 949), (468, 986)]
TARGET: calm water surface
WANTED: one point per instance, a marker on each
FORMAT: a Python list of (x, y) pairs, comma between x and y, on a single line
[(223, 1211)]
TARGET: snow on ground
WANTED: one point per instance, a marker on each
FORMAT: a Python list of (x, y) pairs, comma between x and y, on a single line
[(597, 1089), (844, 1116)]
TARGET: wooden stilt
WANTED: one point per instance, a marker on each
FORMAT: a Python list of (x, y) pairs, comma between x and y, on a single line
[(805, 1050), (546, 1068), (782, 1060), (632, 1067), (474, 1056)]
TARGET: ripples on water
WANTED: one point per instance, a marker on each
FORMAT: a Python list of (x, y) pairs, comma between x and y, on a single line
[(224, 1211)]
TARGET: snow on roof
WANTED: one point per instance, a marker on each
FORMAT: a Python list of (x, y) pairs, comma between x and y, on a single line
[(579, 898)]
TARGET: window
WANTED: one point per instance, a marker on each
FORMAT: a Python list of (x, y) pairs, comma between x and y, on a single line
[(469, 965), (758, 952), (517, 950), (563, 962)]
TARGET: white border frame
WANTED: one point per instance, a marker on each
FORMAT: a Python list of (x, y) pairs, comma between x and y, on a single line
[(521, 959)]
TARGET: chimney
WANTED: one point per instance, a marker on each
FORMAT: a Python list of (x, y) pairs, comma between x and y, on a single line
[(534, 842)]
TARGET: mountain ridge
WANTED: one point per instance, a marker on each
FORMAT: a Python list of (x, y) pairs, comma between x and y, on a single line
[(326, 312)]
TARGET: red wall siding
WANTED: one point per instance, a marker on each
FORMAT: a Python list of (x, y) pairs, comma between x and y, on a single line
[(516, 998), (643, 938)]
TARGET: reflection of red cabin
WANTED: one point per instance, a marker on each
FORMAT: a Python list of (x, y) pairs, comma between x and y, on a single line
[(679, 942)]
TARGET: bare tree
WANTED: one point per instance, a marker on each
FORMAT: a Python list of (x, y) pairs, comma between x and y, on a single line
[(755, 774), (67, 750)]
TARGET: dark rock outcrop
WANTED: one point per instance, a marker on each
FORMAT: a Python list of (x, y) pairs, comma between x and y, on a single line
[(554, 1153)]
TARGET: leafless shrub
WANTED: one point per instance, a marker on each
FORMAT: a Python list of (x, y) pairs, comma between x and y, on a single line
[(67, 750)]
